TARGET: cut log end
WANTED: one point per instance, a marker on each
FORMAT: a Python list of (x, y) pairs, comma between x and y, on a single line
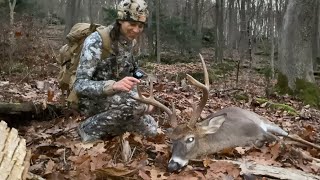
[(14, 161)]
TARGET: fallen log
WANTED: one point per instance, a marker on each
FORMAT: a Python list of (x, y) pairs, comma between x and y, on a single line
[(14, 156), (271, 171), (15, 113), (13, 108)]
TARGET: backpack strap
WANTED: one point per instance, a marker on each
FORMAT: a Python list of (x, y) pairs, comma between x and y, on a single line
[(106, 40)]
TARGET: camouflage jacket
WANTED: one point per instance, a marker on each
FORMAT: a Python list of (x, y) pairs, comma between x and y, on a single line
[(95, 74)]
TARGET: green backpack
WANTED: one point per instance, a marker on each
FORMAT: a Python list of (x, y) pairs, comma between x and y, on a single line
[(69, 55)]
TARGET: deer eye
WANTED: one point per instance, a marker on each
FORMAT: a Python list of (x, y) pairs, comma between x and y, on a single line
[(190, 139)]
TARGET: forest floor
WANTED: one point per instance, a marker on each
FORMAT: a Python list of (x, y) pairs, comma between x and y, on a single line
[(57, 152)]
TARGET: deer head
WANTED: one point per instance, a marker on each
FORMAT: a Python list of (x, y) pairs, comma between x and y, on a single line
[(229, 127)]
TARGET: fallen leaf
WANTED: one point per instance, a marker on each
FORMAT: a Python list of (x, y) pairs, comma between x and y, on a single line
[(49, 167), (97, 149), (161, 147), (138, 138), (275, 151), (115, 171), (143, 175)]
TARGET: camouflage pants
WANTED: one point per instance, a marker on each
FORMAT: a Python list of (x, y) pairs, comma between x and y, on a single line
[(114, 115)]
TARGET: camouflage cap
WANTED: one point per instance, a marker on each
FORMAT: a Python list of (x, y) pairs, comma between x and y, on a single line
[(133, 10)]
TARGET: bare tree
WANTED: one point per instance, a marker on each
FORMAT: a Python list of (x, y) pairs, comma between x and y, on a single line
[(232, 24), (71, 15), (219, 31), (158, 29), (12, 40), (90, 2), (271, 26), (295, 50)]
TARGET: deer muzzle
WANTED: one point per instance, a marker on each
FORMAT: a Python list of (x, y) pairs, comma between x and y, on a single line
[(175, 164)]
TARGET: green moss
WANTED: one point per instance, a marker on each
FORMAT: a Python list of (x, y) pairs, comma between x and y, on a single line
[(282, 85), (308, 92), (223, 68), (277, 106), (241, 97), (200, 76)]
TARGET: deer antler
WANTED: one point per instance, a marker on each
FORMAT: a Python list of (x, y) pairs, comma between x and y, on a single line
[(205, 90), (152, 101)]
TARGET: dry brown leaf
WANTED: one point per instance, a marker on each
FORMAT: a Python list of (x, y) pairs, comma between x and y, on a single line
[(100, 160), (37, 167), (206, 162), (84, 167), (157, 174), (275, 151), (50, 95), (242, 150), (81, 148), (161, 148), (138, 139), (97, 149), (49, 167), (79, 159), (143, 175), (125, 135), (115, 171), (225, 167)]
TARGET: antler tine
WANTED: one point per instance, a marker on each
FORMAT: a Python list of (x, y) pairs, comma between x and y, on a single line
[(152, 101), (205, 90)]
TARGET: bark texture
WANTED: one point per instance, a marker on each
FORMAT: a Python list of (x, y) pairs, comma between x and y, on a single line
[(295, 50)]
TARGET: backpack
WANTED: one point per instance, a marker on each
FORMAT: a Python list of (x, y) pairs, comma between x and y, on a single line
[(69, 55)]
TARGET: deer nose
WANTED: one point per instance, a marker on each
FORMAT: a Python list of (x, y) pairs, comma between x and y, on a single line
[(173, 166)]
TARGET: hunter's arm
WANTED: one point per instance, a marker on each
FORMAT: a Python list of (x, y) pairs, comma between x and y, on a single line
[(89, 58)]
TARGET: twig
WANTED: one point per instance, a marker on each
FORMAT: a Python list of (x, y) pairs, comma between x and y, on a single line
[(134, 149), (34, 176), (305, 155), (300, 140), (25, 76), (64, 156), (54, 54), (227, 90)]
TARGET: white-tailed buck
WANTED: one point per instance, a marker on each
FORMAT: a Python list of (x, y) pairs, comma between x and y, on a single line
[(229, 127)]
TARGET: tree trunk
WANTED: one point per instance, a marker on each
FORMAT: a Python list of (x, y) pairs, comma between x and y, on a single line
[(150, 33), (232, 25), (90, 11), (315, 41), (158, 29), (12, 40), (271, 27), (71, 17), (243, 45), (219, 31), (295, 49)]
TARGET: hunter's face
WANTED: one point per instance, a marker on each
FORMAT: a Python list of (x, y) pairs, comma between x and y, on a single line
[(130, 29)]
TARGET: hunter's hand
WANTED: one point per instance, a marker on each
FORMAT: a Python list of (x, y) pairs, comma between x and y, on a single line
[(126, 84)]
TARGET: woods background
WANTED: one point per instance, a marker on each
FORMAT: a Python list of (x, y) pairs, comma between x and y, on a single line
[(261, 55), (285, 32)]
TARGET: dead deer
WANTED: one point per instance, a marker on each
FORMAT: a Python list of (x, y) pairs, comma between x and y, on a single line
[(227, 128)]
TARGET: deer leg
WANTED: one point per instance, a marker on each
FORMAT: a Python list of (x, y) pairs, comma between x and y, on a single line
[(266, 137)]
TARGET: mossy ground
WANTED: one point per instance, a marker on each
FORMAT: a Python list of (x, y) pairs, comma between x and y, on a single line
[(307, 92)]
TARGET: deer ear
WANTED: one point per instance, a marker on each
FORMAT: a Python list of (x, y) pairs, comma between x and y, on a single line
[(213, 124)]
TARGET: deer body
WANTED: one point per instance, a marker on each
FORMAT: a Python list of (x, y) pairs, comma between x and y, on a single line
[(227, 128)]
